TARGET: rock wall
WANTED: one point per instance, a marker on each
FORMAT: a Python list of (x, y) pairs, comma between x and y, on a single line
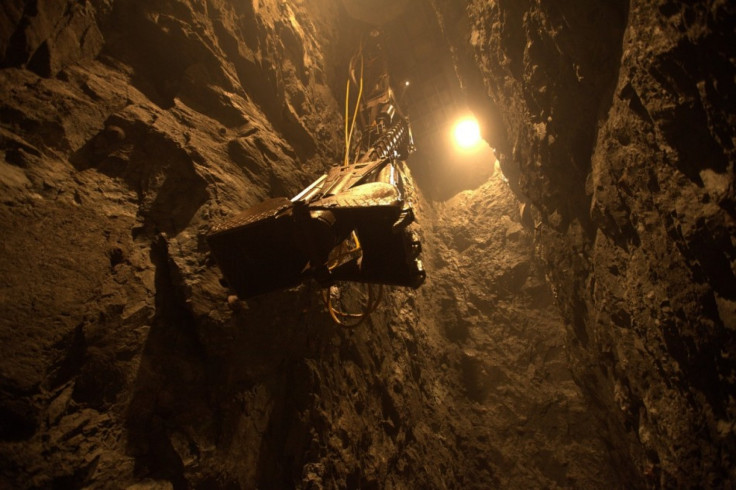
[(614, 121), (127, 128)]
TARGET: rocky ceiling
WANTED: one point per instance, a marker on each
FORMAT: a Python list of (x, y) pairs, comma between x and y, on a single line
[(577, 327)]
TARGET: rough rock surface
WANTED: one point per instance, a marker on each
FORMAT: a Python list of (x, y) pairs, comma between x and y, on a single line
[(615, 120), (521, 419), (127, 128)]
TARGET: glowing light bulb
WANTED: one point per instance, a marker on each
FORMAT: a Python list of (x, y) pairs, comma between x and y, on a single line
[(467, 134)]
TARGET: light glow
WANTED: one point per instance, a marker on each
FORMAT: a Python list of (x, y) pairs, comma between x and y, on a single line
[(467, 134)]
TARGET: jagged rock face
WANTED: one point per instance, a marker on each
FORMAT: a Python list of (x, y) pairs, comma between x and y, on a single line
[(128, 128), (616, 121)]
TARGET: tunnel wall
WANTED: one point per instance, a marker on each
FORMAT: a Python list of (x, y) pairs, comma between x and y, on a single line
[(614, 122), (127, 129)]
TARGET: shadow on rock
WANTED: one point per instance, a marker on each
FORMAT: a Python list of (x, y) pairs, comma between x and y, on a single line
[(154, 166), (224, 403)]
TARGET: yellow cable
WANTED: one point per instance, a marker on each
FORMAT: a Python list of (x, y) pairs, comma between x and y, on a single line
[(349, 131), (339, 316), (347, 103), (344, 253), (357, 106), (372, 303)]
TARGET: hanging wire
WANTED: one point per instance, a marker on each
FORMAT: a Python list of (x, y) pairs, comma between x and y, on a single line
[(349, 129), (374, 294), (345, 250), (344, 318)]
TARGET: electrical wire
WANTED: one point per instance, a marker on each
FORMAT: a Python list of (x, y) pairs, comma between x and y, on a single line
[(340, 317), (349, 130), (342, 253), (374, 298)]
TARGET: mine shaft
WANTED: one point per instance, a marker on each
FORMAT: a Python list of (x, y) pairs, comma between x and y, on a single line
[(367, 244)]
